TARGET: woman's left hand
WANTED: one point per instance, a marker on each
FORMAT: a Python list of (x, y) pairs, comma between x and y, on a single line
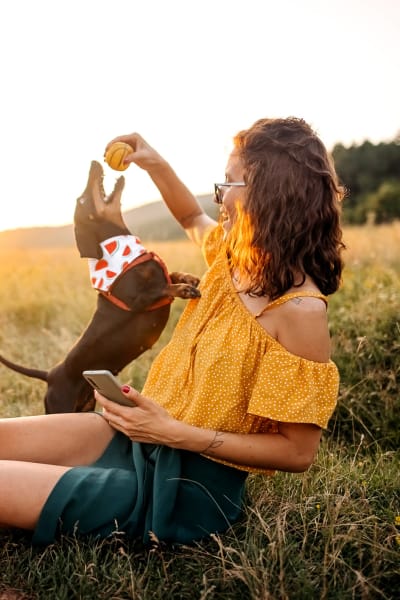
[(145, 422)]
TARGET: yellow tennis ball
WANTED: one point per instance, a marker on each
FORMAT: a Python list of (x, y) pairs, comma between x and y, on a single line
[(115, 155)]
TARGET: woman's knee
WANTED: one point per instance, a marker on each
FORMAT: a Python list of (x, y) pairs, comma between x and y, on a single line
[(24, 489)]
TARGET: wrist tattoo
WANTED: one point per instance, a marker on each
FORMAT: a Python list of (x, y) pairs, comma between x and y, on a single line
[(216, 442)]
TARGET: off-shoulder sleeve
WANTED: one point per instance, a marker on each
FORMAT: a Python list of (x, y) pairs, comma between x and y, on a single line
[(212, 243), (292, 389)]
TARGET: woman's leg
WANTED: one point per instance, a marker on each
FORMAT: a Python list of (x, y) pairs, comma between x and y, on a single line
[(24, 489), (36, 451), (67, 439)]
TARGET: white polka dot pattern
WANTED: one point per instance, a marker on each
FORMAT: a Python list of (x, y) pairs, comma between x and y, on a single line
[(221, 369)]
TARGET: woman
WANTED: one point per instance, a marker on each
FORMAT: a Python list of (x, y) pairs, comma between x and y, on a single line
[(246, 383)]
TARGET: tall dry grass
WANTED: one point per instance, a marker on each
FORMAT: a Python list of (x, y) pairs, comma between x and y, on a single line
[(330, 533), (377, 245)]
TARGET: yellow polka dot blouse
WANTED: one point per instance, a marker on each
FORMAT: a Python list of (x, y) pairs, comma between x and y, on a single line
[(221, 369)]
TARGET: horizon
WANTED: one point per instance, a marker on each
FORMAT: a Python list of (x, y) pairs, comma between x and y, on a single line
[(154, 200)]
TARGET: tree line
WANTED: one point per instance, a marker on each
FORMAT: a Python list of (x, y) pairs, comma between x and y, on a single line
[(371, 175)]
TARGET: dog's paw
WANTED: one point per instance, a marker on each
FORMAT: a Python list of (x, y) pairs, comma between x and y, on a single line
[(191, 280), (178, 277), (186, 291), (193, 291)]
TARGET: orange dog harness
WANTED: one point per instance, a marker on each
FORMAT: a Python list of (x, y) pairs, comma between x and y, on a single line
[(122, 253)]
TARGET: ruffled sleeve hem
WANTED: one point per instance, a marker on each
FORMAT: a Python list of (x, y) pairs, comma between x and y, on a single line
[(291, 389)]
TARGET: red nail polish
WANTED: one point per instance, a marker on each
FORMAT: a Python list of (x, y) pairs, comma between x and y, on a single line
[(125, 389)]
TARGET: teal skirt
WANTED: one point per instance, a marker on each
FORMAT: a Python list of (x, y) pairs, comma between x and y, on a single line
[(143, 490)]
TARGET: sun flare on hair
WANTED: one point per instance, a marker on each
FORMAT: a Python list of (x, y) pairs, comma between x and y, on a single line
[(245, 258)]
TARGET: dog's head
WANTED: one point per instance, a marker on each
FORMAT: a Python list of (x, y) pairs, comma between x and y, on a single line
[(98, 217)]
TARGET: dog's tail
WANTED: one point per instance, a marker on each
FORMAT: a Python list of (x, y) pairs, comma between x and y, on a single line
[(35, 373)]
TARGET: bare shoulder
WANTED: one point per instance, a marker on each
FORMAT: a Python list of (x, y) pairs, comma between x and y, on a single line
[(302, 328), (305, 304)]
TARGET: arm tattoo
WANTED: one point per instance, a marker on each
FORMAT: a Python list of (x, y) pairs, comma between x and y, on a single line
[(215, 442)]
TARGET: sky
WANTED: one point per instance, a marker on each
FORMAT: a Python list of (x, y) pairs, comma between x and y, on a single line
[(185, 74)]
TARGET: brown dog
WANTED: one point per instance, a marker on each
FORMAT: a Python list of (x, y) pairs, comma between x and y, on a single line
[(132, 310)]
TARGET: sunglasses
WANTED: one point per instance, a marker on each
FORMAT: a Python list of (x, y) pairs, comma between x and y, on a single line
[(220, 188)]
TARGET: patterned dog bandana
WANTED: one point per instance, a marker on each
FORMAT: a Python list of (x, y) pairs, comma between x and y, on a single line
[(118, 252)]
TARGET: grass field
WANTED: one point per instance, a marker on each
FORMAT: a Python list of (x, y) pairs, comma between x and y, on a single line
[(330, 533)]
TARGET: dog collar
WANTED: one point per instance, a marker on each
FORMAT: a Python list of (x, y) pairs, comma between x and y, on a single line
[(118, 252)]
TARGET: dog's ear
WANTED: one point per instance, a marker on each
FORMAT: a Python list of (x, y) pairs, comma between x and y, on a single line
[(85, 228), (87, 245)]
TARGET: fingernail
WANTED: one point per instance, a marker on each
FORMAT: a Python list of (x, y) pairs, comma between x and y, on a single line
[(125, 389)]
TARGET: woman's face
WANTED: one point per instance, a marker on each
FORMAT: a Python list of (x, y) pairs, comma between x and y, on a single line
[(234, 173)]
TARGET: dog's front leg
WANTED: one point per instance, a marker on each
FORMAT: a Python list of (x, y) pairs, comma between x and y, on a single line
[(182, 290), (179, 277)]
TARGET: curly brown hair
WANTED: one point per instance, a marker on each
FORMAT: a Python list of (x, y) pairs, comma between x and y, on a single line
[(290, 222)]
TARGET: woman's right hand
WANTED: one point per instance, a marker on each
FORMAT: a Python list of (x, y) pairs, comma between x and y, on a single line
[(143, 155), (177, 197)]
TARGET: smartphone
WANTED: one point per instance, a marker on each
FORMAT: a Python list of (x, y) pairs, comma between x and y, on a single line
[(104, 382)]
